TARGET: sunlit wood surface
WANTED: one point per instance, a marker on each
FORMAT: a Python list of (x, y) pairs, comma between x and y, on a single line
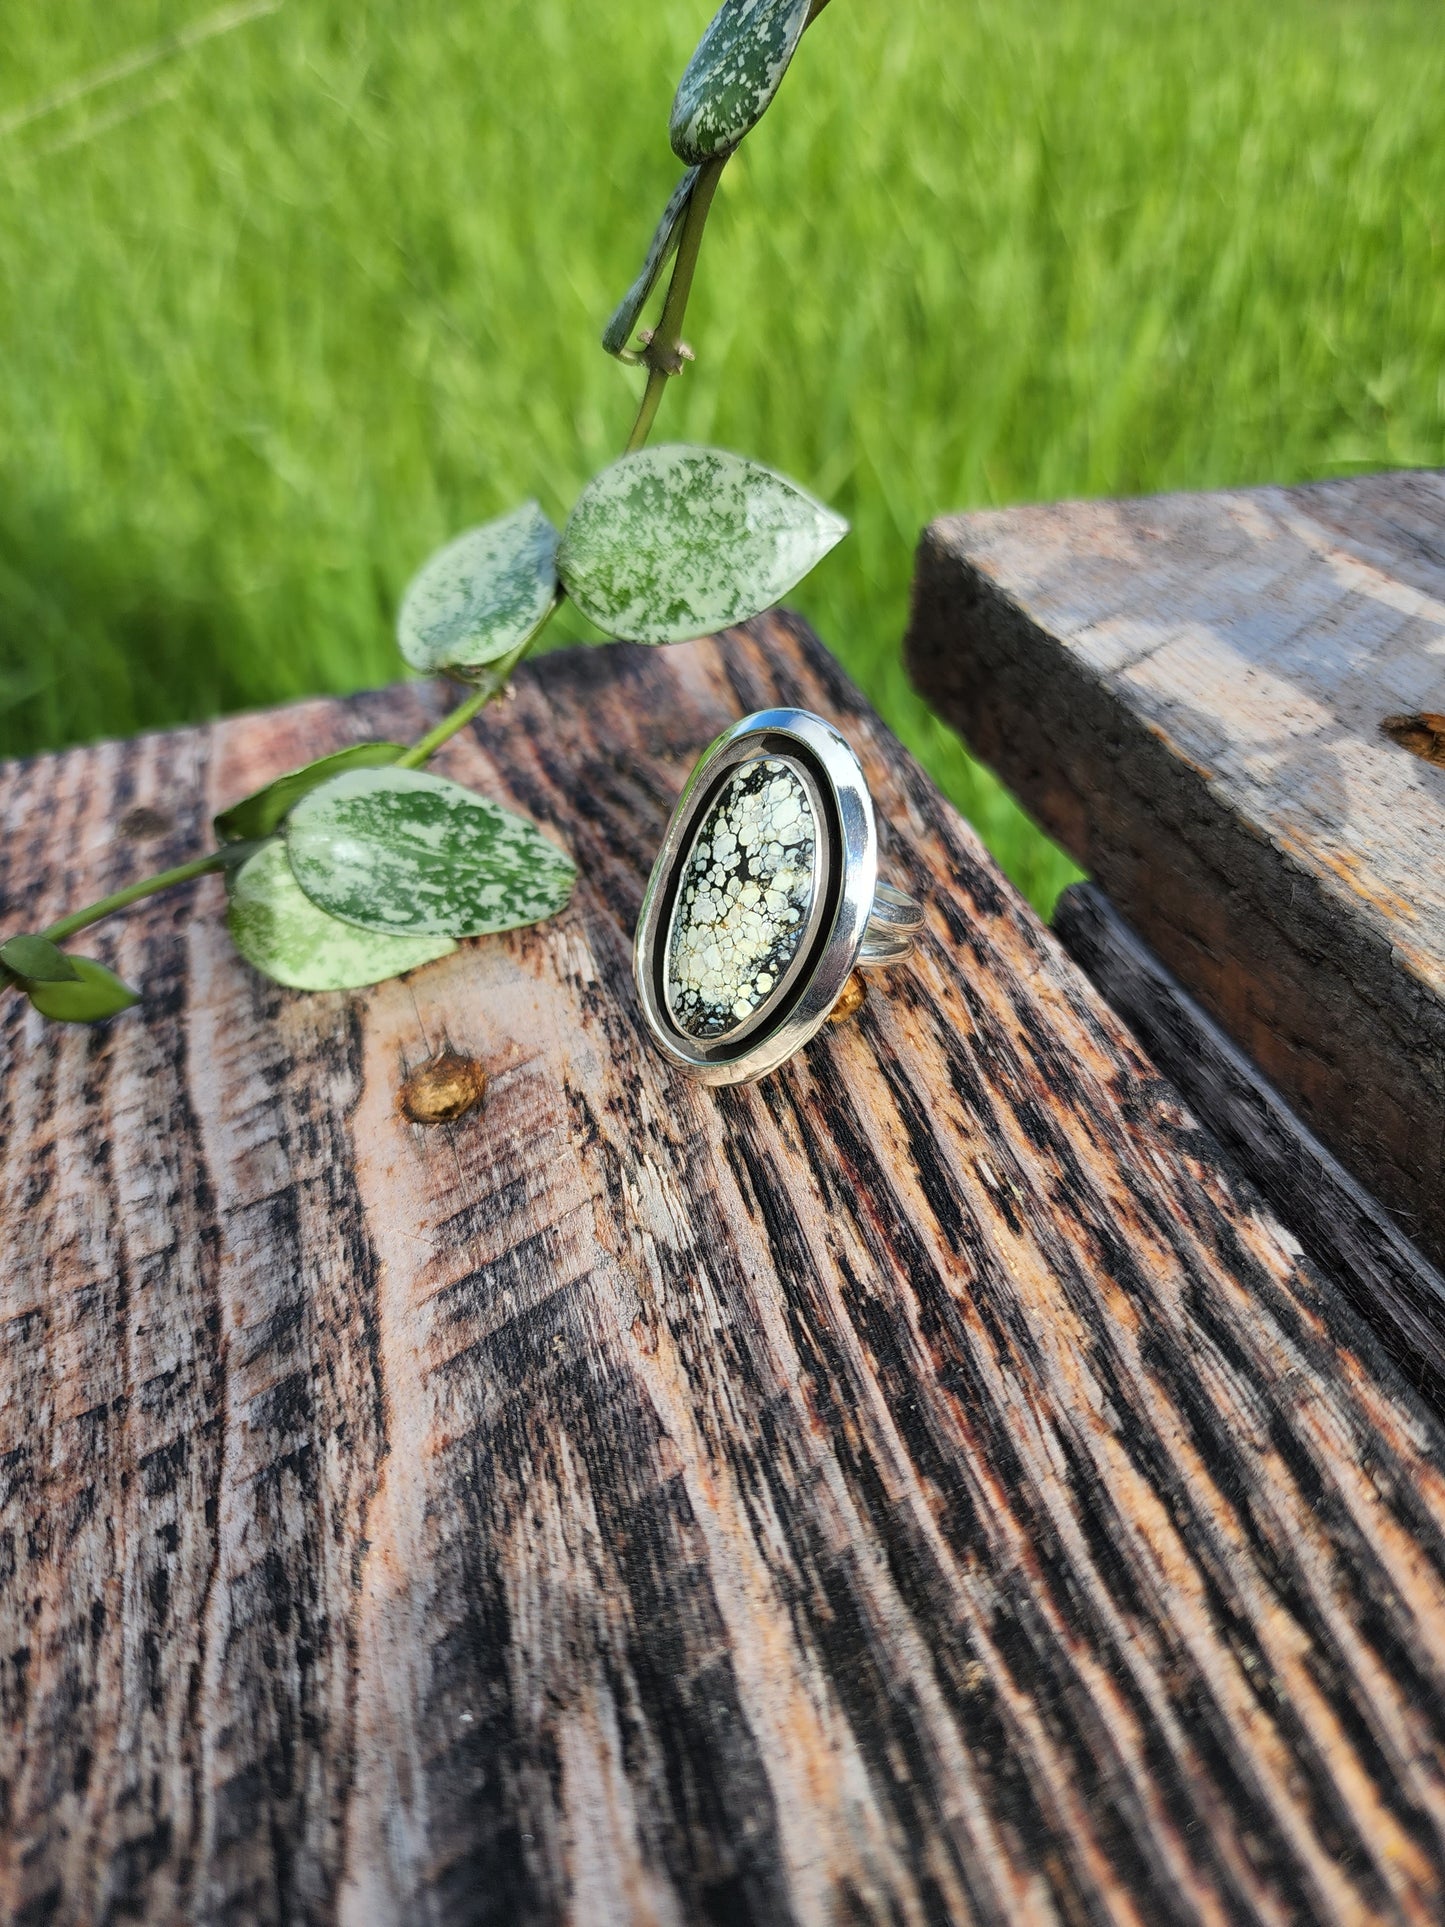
[(921, 1487)]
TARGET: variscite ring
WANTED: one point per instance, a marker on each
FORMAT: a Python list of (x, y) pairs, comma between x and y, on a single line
[(764, 899)]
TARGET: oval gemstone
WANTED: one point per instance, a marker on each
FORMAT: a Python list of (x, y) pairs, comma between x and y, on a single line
[(744, 900)]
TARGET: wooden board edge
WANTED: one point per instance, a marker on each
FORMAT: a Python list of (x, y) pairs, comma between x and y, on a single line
[(1128, 808)]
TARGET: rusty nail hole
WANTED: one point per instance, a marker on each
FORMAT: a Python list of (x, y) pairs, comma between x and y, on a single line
[(851, 999), (1422, 735), (447, 1088), (143, 822)]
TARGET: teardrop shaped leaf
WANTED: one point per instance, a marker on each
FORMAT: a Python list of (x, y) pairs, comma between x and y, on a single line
[(618, 331), (673, 542), (266, 810), (37, 960), (400, 850), (277, 927), (94, 994), (732, 78), (481, 596)]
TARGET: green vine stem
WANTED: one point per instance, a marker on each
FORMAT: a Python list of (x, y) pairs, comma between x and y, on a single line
[(665, 354), (665, 357), (233, 855), (496, 679), (422, 751)]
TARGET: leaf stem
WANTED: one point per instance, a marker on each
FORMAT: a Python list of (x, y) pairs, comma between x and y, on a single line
[(423, 750), (664, 355), (227, 859), (497, 677)]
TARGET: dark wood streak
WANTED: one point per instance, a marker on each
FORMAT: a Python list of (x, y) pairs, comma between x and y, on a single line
[(926, 1486), (1342, 1227)]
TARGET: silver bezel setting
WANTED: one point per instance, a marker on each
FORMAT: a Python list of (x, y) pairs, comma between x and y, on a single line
[(845, 880)]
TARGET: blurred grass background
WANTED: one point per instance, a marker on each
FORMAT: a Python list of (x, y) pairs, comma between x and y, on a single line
[(284, 309)]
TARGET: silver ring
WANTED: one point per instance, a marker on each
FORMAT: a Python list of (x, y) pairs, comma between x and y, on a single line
[(764, 899)]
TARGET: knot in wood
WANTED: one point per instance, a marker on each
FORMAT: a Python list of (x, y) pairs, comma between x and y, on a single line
[(142, 823), (440, 1092), (1422, 735)]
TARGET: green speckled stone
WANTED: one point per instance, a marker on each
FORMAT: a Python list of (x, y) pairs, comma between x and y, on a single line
[(744, 900)]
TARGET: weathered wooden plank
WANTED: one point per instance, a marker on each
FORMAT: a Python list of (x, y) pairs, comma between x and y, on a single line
[(922, 1486), (1190, 693), (1345, 1230)]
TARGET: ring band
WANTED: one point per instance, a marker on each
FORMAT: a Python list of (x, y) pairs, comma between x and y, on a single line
[(892, 928), (763, 899)]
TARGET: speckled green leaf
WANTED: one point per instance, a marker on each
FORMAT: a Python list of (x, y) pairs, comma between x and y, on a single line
[(675, 542), (38, 960), (94, 994), (480, 596), (277, 927), (264, 811), (402, 851), (733, 76), (618, 331)]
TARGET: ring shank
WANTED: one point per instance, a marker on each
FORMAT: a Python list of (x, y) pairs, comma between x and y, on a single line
[(892, 928)]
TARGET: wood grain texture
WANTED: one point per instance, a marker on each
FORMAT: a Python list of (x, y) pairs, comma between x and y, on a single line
[(920, 1487), (1347, 1232), (1189, 692)]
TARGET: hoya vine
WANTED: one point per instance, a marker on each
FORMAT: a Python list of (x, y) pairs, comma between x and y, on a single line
[(363, 865)]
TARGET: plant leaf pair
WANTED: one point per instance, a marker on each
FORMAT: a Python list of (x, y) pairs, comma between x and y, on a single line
[(277, 927), (672, 542), (72, 990), (381, 871)]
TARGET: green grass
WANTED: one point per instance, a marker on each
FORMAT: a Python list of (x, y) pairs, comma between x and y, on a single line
[(283, 312)]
